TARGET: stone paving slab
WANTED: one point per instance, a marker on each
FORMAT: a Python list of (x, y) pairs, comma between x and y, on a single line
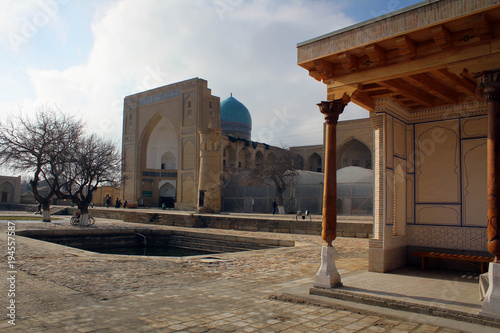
[(59, 289)]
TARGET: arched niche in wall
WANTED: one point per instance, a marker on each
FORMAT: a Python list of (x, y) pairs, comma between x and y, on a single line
[(298, 162), (188, 116), (159, 137), (259, 159), (315, 163), (188, 190), (354, 153), (168, 161), (229, 157), (188, 155), (244, 159), (167, 189), (271, 157)]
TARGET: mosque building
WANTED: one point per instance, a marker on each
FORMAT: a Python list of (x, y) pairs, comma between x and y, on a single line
[(181, 146)]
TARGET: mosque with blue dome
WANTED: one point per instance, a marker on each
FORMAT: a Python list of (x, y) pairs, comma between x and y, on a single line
[(180, 142), (235, 118), (181, 146)]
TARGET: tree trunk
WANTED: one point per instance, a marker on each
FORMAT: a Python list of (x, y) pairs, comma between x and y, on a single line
[(46, 212), (84, 219), (84, 215)]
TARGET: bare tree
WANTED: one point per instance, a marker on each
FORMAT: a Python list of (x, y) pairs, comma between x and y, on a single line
[(278, 168), (86, 164), (29, 144)]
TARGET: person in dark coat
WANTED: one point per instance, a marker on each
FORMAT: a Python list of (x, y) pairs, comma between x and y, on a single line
[(275, 207), (39, 209)]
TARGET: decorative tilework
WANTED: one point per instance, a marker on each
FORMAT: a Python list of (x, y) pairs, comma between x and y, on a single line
[(388, 106), (391, 242), (189, 94), (169, 174), (159, 97), (457, 238), (452, 111), (385, 105), (150, 174)]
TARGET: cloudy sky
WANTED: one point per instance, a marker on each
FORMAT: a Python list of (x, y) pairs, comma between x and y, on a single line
[(85, 56)]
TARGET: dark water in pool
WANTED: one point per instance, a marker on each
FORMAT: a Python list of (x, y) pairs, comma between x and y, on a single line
[(164, 251)]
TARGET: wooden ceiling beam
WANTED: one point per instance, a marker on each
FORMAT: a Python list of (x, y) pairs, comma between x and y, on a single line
[(406, 46), (442, 37), (381, 93), (363, 99), (370, 87), (408, 90), (316, 75), (323, 70), (349, 61), (464, 85), (441, 60), (338, 92), (435, 87), (482, 26), (376, 54)]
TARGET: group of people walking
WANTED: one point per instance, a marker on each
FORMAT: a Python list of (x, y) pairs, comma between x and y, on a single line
[(118, 202)]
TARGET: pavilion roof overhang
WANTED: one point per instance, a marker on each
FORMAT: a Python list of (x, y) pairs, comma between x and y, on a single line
[(424, 57)]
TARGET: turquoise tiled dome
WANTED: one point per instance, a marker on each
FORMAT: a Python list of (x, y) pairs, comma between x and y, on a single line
[(235, 118)]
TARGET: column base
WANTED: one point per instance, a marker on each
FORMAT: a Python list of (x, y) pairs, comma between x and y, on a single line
[(491, 304), (327, 275)]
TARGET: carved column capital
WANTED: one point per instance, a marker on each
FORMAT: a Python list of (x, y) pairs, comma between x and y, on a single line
[(489, 83), (333, 109)]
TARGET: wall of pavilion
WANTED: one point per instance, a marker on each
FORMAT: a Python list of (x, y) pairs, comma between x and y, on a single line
[(430, 182)]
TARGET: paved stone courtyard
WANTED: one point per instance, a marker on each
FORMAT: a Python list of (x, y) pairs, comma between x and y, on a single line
[(61, 289)]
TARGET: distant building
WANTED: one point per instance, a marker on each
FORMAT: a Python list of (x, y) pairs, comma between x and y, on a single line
[(104, 192), (10, 189)]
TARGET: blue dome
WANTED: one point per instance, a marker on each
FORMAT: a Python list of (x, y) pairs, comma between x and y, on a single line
[(235, 118)]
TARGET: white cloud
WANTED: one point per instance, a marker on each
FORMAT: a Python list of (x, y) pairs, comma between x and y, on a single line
[(244, 47), (21, 21)]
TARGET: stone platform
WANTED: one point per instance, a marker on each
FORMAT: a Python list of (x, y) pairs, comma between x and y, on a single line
[(442, 294), (62, 289)]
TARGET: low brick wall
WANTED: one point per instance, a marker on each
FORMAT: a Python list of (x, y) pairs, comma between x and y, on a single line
[(102, 213), (359, 227), (344, 228)]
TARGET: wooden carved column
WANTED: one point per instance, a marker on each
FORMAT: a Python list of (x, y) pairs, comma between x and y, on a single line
[(331, 110), (490, 83)]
